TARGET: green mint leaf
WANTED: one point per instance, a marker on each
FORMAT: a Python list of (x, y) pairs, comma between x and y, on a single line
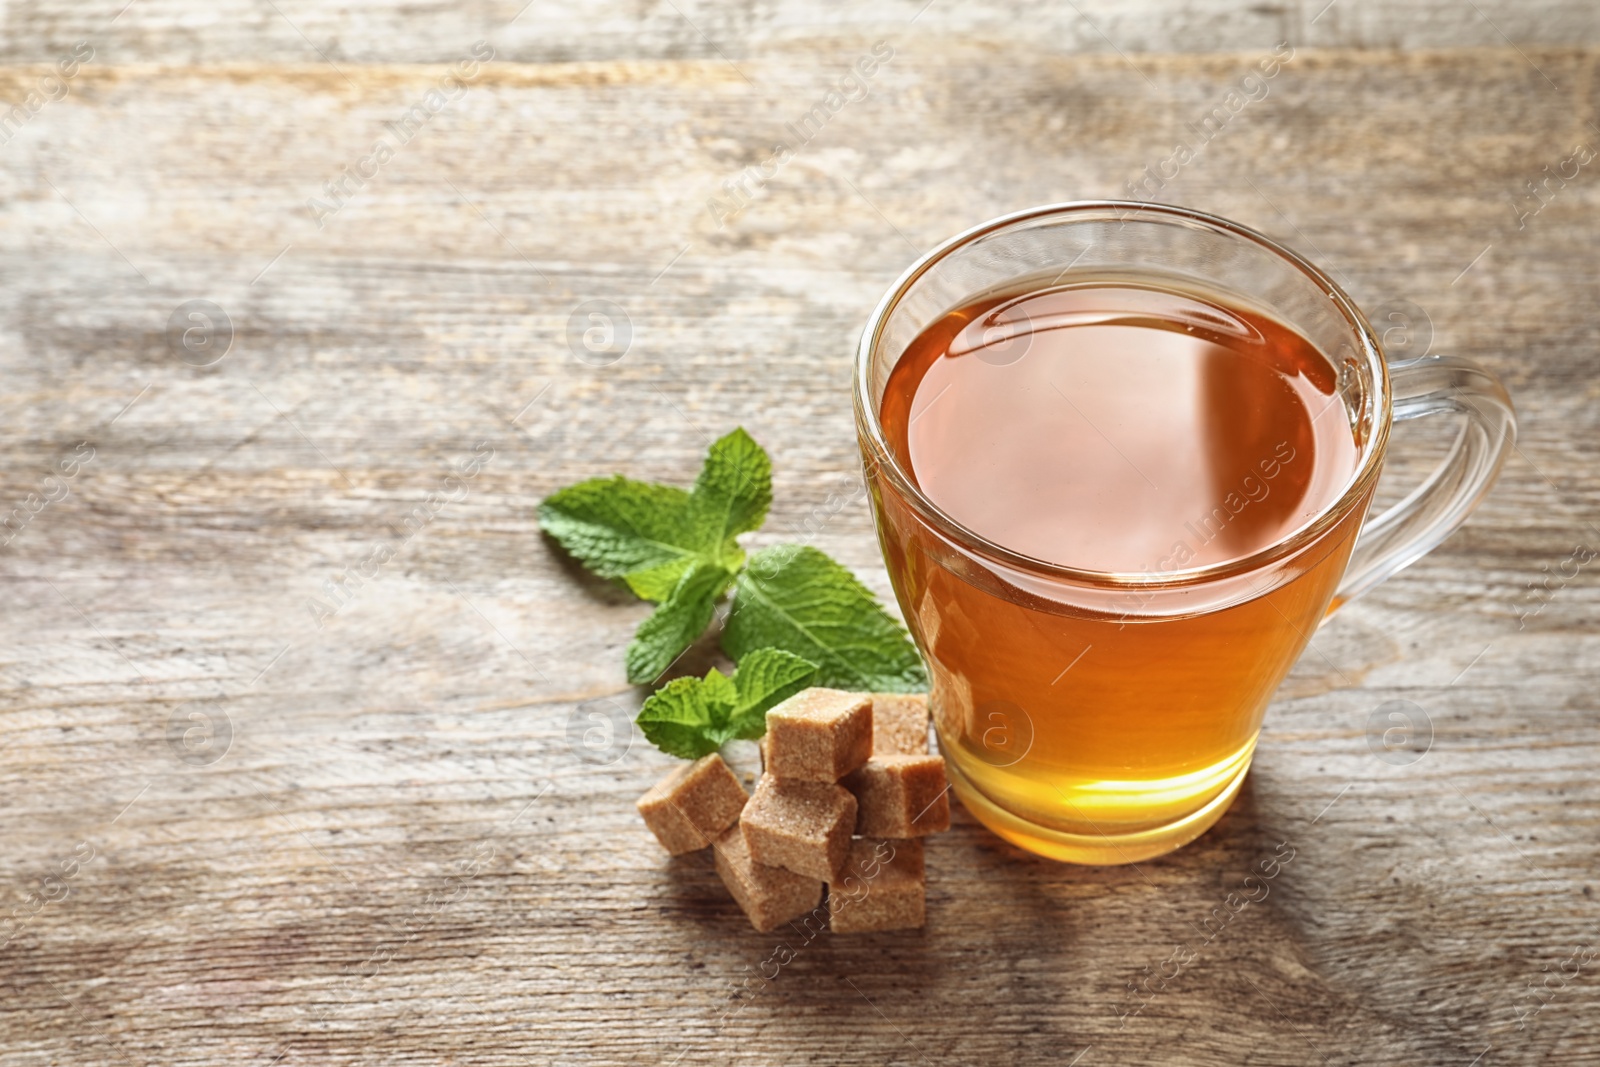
[(675, 625), (677, 717), (693, 717), (620, 528), (721, 696), (650, 535), (795, 598), (731, 496), (766, 677), (657, 583)]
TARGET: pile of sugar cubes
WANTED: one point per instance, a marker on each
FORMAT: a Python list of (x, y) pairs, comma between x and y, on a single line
[(847, 792)]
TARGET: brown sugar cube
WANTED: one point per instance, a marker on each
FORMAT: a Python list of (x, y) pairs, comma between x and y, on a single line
[(899, 724), (900, 796), (803, 827), (688, 808), (882, 887), (770, 896), (819, 735)]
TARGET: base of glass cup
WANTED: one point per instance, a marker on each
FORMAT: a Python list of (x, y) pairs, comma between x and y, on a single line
[(1099, 850)]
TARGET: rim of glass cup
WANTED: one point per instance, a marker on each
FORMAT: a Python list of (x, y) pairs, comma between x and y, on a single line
[(1308, 532)]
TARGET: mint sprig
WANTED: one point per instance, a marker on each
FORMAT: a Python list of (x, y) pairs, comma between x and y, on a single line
[(794, 609), (673, 547), (693, 717)]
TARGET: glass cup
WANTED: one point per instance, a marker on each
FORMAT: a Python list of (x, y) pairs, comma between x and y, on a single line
[(1118, 716)]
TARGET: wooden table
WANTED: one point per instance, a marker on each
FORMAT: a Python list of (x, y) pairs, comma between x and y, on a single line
[(240, 829)]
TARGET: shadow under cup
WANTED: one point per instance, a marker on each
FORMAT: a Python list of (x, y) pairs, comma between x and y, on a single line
[(1101, 717)]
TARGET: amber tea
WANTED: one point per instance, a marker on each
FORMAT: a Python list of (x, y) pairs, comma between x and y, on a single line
[(1117, 428)]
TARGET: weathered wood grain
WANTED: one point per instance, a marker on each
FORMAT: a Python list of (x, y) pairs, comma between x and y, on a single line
[(547, 31), (302, 899)]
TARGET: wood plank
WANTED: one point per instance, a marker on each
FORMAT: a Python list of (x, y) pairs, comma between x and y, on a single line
[(545, 31)]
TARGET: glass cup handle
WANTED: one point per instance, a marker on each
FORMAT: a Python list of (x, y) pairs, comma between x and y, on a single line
[(1433, 510)]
